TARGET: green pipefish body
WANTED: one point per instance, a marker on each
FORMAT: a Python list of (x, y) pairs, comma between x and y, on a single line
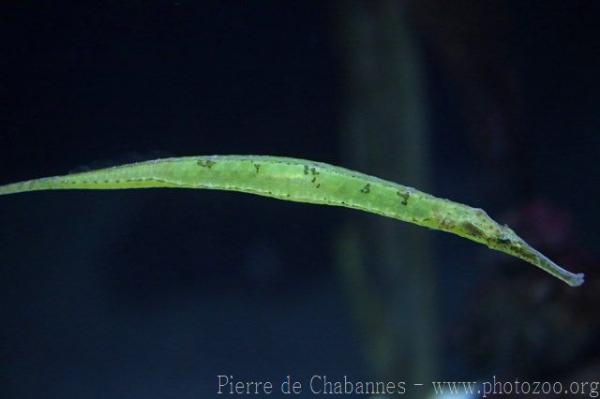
[(306, 181)]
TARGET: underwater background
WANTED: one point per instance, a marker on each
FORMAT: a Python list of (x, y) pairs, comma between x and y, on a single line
[(155, 293)]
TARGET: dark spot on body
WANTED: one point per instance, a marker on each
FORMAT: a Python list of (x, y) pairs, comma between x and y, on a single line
[(314, 179), (305, 169), (206, 163), (404, 196), (257, 167), (314, 171), (473, 230), (366, 189), (318, 185)]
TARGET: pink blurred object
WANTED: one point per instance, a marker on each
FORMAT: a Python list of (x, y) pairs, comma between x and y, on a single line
[(543, 224)]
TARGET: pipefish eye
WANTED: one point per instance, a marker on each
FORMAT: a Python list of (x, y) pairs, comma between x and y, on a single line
[(504, 240)]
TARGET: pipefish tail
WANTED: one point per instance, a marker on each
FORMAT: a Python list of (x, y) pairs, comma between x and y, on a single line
[(306, 181)]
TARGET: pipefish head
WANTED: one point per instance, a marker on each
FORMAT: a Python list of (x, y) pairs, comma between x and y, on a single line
[(509, 242)]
